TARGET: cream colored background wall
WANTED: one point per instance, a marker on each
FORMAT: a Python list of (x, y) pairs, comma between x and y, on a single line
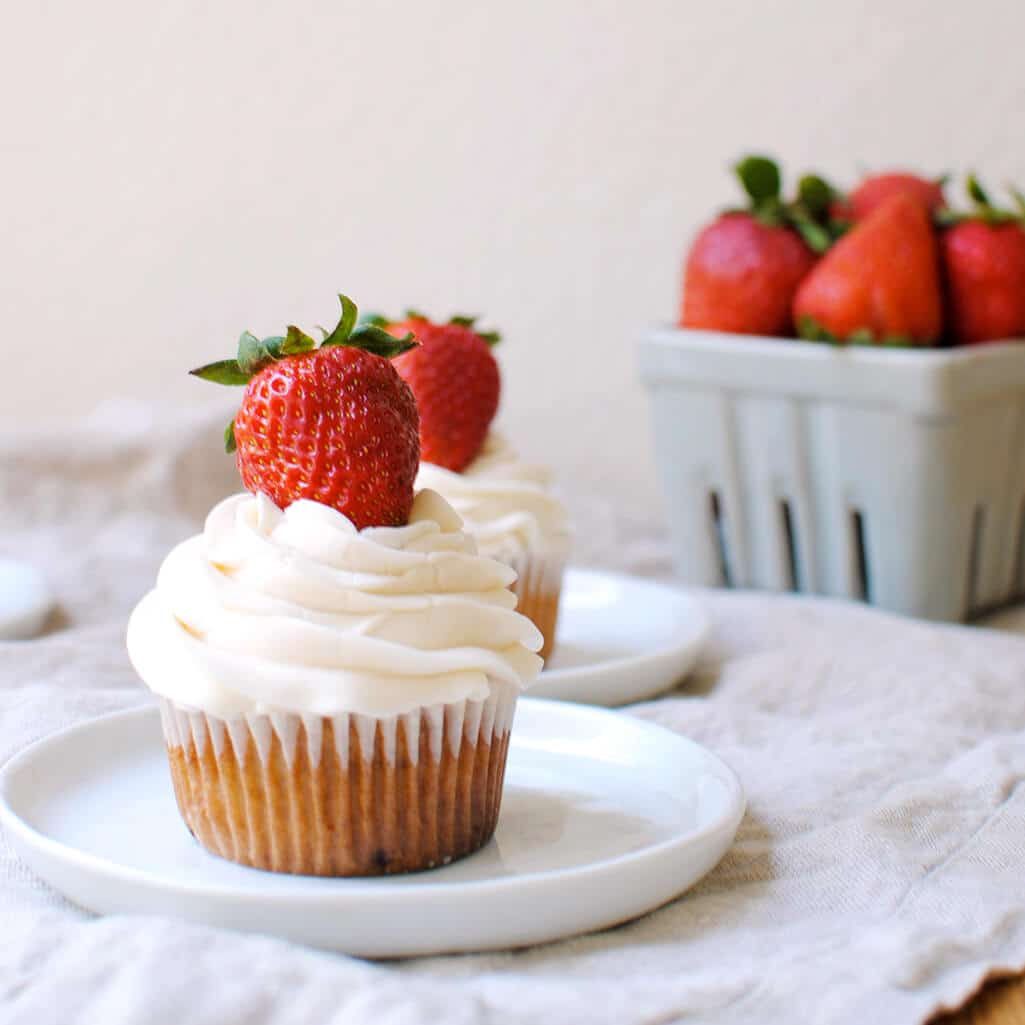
[(174, 173)]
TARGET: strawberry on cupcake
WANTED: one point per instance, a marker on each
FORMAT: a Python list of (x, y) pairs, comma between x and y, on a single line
[(504, 502), (333, 629)]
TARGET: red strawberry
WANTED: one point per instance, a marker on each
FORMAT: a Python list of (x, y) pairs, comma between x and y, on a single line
[(984, 268), (879, 283), (334, 424), (456, 382), (876, 189), (743, 268), (741, 276)]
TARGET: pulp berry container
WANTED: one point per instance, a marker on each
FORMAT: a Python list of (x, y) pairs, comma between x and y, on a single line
[(896, 476)]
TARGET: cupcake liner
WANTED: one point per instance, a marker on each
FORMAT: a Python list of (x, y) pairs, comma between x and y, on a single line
[(348, 795), (538, 588)]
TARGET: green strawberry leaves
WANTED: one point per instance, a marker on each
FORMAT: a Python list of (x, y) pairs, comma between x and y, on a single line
[(254, 354), (224, 371), (376, 340), (760, 178), (976, 192), (369, 336), (811, 330), (815, 194), (492, 338), (983, 208), (344, 327), (807, 213), (295, 343)]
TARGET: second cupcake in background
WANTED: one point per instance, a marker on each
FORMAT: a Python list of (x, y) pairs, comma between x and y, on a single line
[(505, 503)]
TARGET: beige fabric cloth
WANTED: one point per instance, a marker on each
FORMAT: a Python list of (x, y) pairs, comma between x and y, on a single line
[(877, 876)]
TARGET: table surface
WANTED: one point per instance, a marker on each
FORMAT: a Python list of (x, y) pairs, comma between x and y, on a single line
[(791, 671), (1001, 1002)]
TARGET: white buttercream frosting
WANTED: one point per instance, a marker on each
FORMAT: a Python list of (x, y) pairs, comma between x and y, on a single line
[(504, 502), (298, 611)]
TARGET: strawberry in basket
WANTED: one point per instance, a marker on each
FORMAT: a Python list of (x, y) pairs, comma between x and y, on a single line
[(984, 267), (743, 269), (877, 188), (879, 284)]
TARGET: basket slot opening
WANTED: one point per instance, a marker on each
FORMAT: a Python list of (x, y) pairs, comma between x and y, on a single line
[(1018, 582), (862, 574), (793, 562), (719, 531), (974, 560)]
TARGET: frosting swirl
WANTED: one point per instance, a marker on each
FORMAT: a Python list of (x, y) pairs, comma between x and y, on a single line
[(503, 502), (298, 611)]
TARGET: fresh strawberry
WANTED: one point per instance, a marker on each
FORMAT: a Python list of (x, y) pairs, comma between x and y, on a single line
[(879, 284), (984, 270), (741, 276), (335, 424), (877, 188), (743, 268), (456, 382)]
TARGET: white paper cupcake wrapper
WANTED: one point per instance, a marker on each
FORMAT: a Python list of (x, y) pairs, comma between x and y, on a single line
[(468, 720), (358, 796), (537, 589)]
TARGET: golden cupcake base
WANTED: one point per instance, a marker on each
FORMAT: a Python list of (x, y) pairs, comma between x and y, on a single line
[(341, 796)]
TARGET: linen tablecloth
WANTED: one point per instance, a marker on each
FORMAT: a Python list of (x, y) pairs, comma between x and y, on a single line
[(877, 876)]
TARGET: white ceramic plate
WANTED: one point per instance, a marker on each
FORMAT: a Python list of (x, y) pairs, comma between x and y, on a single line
[(604, 818), (620, 640)]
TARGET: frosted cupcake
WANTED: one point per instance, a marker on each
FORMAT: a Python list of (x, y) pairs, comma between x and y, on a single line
[(505, 503), (507, 507), (337, 666)]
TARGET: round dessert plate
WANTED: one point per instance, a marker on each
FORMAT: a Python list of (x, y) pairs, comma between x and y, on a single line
[(604, 818), (25, 600), (620, 640)]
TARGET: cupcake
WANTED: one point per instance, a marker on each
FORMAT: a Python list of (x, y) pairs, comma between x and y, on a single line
[(504, 503), (337, 665), (507, 507)]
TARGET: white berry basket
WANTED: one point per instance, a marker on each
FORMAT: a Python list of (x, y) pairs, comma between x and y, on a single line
[(894, 476)]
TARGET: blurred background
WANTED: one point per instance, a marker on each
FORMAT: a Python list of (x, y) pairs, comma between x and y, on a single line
[(176, 173)]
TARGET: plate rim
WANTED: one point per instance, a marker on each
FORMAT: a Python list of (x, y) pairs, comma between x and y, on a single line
[(341, 888), (690, 645)]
